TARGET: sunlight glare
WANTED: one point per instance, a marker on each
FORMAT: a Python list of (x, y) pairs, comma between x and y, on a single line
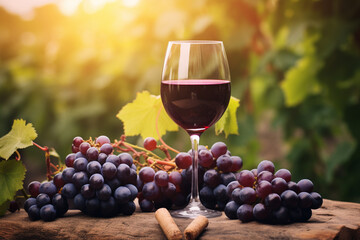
[(130, 3)]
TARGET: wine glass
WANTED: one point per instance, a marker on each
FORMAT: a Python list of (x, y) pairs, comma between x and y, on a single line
[(195, 92)]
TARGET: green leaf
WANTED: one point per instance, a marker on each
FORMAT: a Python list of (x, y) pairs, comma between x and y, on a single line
[(139, 117), (341, 154), (21, 135), (301, 80), (12, 174), (228, 122)]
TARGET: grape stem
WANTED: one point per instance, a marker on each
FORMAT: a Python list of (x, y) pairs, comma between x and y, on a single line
[(49, 173), (18, 156)]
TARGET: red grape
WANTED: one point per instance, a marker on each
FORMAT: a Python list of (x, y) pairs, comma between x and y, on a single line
[(101, 140), (150, 143), (183, 160)]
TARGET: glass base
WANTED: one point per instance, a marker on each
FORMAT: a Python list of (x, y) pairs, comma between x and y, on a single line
[(194, 209)]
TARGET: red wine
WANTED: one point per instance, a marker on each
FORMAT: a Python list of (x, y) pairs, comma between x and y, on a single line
[(197, 104)]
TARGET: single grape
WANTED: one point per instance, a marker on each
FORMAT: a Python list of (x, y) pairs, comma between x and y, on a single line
[(123, 172), (126, 158), (237, 163), (134, 191), (104, 193), (128, 208), (260, 212), (146, 174), (248, 195), (79, 202), (231, 186), (161, 178), (266, 165), (113, 183), (34, 213), (293, 186), (289, 199), (106, 148), (207, 194), (79, 179), (281, 215), (265, 176), (96, 181), (29, 202), (84, 146), (80, 164), (151, 191), (42, 199), (122, 195), (102, 158), (254, 171), (58, 180), (235, 195), (306, 214), (279, 185), (146, 205), (272, 201), (92, 154), (218, 149), (33, 188), (67, 174), (132, 179), (109, 170), (183, 160), (169, 190), (224, 163), (94, 167), (77, 141), (305, 185), (212, 178), (317, 200), (69, 160), (205, 158), (69, 191), (150, 143), (175, 178), (305, 200), (92, 206), (113, 159), (263, 189), (284, 174), (79, 155), (108, 208), (14, 206), (220, 193), (87, 192), (101, 140), (245, 213), (49, 188), (231, 209), (227, 178), (74, 149), (60, 204), (246, 178)]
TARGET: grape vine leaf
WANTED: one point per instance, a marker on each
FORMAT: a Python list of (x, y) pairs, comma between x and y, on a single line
[(12, 174), (140, 117), (21, 135), (228, 122)]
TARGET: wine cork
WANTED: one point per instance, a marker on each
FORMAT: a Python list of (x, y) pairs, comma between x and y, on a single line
[(196, 227), (167, 224)]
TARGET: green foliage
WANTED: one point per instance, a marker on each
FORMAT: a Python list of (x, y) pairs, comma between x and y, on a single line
[(228, 122), (20, 136)]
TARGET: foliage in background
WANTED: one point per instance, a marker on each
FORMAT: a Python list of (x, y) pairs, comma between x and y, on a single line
[(294, 65)]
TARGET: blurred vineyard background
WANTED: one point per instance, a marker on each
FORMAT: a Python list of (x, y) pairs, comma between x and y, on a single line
[(68, 67)]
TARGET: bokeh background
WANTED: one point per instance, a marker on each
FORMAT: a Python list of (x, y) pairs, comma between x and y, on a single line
[(69, 66)]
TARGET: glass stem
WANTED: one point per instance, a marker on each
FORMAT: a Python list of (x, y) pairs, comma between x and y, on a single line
[(195, 139)]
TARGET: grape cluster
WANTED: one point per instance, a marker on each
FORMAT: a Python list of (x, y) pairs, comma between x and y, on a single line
[(271, 197), (46, 202)]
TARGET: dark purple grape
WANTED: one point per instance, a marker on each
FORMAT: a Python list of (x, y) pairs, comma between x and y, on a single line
[(295, 215), (87, 192), (96, 181), (150, 143), (248, 195), (279, 185), (133, 190), (220, 193), (151, 191), (281, 215), (306, 185), (123, 172), (183, 160), (305, 200), (67, 174), (146, 174), (77, 141), (79, 155), (161, 178), (128, 208), (231, 210), (60, 204), (245, 213), (306, 214), (317, 200), (218, 149), (224, 163), (139, 183), (113, 183), (246, 178), (49, 188), (113, 159), (106, 148), (94, 167), (58, 180), (265, 176), (122, 195), (146, 205), (48, 213), (205, 158), (28, 203), (69, 160), (235, 195), (33, 188), (227, 178), (126, 159), (231, 186), (109, 170), (207, 195), (104, 193), (284, 174), (175, 178), (273, 201), (101, 140), (169, 190), (132, 179), (289, 199), (102, 158), (92, 206), (84, 147), (79, 202), (79, 179), (266, 165), (237, 163), (263, 189), (260, 212), (212, 178), (293, 186), (34, 213), (92, 154), (69, 191), (80, 164), (108, 208), (42, 199), (14, 206)]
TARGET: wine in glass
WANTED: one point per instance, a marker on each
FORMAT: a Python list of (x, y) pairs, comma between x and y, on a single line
[(195, 92)]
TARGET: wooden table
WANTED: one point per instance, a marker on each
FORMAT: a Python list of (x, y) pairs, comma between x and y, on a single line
[(334, 220)]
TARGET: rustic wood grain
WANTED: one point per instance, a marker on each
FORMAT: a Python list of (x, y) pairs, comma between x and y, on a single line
[(334, 220)]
